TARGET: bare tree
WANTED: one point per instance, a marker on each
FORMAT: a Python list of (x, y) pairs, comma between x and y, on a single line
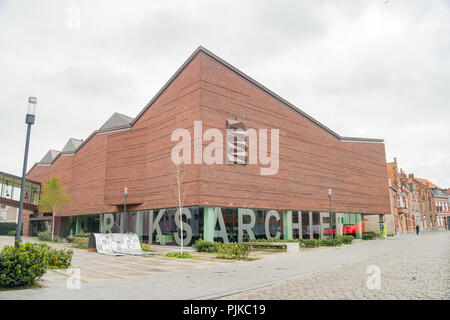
[(179, 175)]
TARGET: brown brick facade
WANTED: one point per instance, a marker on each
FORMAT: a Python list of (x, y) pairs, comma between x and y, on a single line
[(205, 89)]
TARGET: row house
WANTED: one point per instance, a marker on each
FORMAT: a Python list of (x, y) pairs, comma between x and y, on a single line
[(393, 183), (415, 201), (403, 200), (448, 206), (426, 203), (407, 204), (442, 206)]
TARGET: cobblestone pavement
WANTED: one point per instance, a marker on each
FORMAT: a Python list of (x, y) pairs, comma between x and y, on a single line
[(420, 269), (412, 267)]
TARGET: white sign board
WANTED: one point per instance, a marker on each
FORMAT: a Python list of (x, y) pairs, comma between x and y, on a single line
[(117, 244)]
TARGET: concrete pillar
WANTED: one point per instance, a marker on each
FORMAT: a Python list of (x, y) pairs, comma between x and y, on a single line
[(139, 224), (78, 226), (338, 224), (358, 234), (208, 223), (287, 225)]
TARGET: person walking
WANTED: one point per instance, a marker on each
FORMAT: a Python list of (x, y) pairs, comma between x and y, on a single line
[(417, 229)]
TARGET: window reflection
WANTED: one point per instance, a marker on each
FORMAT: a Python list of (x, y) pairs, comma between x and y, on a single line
[(306, 225)]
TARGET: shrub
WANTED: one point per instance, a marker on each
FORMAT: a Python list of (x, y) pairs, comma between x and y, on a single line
[(12, 233), (6, 227), (233, 250), (274, 240), (22, 265), (309, 243), (265, 245), (346, 239), (57, 259), (369, 236), (83, 235), (206, 246), (47, 237), (183, 255), (80, 243), (331, 242), (146, 247)]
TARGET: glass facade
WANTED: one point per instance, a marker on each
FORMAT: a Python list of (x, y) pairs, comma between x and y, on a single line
[(162, 226), (10, 189)]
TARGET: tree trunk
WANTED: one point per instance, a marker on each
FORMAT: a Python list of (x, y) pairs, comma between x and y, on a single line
[(53, 223)]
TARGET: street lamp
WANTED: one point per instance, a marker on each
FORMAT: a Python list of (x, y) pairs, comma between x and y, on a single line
[(331, 215), (29, 120)]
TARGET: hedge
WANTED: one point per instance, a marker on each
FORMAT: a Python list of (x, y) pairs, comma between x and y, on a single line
[(369, 236), (80, 242), (6, 227)]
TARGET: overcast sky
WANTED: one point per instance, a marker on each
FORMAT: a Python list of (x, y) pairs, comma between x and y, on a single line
[(371, 69)]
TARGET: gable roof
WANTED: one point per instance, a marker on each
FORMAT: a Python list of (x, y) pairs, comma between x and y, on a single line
[(428, 183), (255, 83), (71, 145), (119, 121), (115, 121), (49, 157)]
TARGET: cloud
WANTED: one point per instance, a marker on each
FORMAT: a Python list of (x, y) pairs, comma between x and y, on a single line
[(363, 68)]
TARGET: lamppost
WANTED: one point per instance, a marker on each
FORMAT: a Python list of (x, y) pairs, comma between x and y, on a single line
[(125, 195), (331, 215), (29, 120)]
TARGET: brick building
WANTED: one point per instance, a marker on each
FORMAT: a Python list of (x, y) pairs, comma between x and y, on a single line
[(226, 200), (442, 209), (439, 199), (426, 203), (448, 205)]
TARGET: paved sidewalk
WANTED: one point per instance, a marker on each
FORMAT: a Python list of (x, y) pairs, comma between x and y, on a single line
[(96, 266), (348, 263), (418, 270)]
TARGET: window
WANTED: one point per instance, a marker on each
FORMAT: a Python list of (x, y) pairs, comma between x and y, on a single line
[(401, 204), (16, 189), (7, 187), (236, 142)]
